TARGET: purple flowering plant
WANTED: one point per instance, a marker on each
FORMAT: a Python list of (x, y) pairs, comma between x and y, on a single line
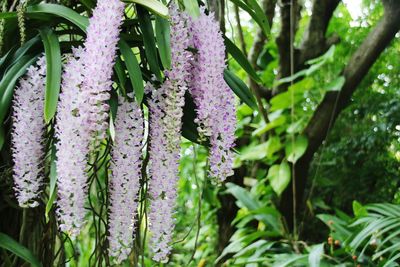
[(98, 143)]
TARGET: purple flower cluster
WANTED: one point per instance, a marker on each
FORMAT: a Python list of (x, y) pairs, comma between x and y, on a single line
[(82, 122), (27, 134), (165, 124), (82, 111), (72, 149), (215, 102), (124, 184), (98, 61)]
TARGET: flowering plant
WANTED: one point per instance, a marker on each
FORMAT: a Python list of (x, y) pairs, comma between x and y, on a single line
[(112, 146)]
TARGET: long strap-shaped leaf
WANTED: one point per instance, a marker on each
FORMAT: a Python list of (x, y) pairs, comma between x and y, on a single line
[(53, 182), (153, 5), (61, 11), (240, 89), (149, 41), (241, 59), (163, 41), (256, 12), (53, 72), (10, 244), (133, 68)]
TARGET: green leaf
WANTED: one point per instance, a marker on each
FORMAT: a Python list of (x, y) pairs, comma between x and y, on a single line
[(149, 41), (2, 137), (336, 225), (133, 68), (270, 217), (286, 260), (192, 8), (290, 78), (294, 150), (119, 68), (240, 243), (8, 15), (296, 126), (261, 18), (53, 182), (5, 58), (359, 210), (336, 84), (240, 89), (314, 258), (262, 150), (294, 94), (243, 196), (24, 48), (241, 59), (273, 124), (53, 72), (61, 11), (7, 84), (255, 11), (328, 56), (279, 177), (153, 5), (163, 41), (10, 244)]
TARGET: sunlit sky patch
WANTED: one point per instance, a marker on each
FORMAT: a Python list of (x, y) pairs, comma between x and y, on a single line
[(354, 7)]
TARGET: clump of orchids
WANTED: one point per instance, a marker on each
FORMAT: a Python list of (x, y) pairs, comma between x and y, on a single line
[(82, 121)]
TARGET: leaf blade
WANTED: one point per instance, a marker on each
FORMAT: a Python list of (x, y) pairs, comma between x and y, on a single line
[(134, 71), (153, 5), (240, 89), (163, 41), (241, 59), (61, 11), (53, 72), (149, 41), (10, 244), (279, 177)]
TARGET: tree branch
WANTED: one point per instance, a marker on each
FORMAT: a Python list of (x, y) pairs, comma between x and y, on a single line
[(314, 42), (240, 31)]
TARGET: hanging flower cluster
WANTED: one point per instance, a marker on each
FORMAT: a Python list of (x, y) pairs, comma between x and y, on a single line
[(214, 100), (124, 184), (197, 65), (28, 131), (72, 149), (98, 61), (166, 111), (82, 111)]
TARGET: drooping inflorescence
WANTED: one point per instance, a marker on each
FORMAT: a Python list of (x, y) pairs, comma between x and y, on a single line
[(72, 149), (126, 162), (98, 61), (197, 65), (82, 111), (27, 134), (165, 130), (215, 102)]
